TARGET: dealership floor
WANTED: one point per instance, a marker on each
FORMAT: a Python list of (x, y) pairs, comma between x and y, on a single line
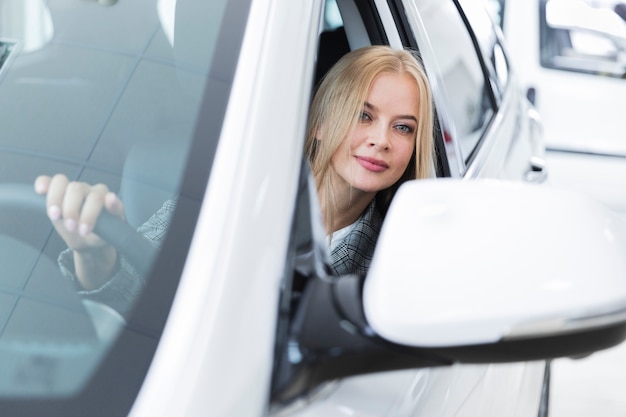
[(592, 386)]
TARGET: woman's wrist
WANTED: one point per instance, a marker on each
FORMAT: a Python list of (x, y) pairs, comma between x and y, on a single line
[(95, 267)]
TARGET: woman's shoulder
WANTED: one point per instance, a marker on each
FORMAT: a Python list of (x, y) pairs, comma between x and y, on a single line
[(353, 254)]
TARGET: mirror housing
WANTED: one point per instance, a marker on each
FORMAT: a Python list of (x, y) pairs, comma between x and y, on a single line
[(478, 262), (578, 15)]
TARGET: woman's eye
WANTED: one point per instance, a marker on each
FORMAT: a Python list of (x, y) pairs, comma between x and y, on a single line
[(404, 129), (365, 117)]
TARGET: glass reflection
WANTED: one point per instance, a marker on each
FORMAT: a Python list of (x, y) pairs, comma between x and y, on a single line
[(27, 21)]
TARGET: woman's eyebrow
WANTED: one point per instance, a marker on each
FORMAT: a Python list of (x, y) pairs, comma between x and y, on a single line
[(408, 116), (370, 106)]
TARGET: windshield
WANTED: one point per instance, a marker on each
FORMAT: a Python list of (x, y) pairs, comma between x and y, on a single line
[(113, 92)]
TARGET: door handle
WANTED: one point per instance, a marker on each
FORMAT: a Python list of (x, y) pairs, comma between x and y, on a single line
[(537, 171)]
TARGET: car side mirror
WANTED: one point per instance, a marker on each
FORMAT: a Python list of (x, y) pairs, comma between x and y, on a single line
[(604, 22), (478, 262), (480, 271)]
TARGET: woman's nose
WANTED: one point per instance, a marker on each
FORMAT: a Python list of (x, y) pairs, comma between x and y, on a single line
[(379, 138)]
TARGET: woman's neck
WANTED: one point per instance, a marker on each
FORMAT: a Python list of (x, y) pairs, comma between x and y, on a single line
[(348, 206)]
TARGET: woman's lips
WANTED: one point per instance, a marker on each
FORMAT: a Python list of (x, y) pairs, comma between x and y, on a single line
[(371, 164)]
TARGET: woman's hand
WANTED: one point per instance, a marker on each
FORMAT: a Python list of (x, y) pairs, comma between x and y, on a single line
[(73, 208)]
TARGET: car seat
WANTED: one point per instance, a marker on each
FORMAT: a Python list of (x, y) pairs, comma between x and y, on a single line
[(333, 44), (150, 177)]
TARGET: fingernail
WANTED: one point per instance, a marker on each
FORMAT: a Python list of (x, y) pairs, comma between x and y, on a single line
[(70, 225), (54, 212), (84, 229)]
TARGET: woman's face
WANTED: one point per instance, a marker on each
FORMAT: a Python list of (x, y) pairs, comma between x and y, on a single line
[(376, 153)]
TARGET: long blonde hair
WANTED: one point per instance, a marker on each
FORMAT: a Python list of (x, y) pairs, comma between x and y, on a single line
[(339, 101)]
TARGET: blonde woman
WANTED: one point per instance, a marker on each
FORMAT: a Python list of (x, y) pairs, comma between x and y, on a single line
[(370, 129)]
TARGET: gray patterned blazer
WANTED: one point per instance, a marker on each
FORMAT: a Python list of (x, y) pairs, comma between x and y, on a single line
[(353, 254)]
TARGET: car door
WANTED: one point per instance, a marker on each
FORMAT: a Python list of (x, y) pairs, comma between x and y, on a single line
[(480, 136)]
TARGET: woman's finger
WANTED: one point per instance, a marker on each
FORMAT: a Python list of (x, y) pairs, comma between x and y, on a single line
[(42, 183), (55, 195), (92, 208), (114, 205), (73, 201)]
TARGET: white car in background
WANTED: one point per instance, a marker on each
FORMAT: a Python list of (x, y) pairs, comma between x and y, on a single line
[(480, 277), (571, 58)]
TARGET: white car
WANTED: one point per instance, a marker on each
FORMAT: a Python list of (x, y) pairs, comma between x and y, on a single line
[(571, 57), (478, 280)]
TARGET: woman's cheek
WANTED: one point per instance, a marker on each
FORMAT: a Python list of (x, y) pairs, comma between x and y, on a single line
[(407, 152)]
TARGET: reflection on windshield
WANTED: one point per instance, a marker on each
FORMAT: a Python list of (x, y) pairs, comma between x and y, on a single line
[(5, 51), (101, 92), (27, 20), (167, 13)]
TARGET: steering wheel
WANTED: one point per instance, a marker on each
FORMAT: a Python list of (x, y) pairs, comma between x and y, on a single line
[(23, 217), (128, 242)]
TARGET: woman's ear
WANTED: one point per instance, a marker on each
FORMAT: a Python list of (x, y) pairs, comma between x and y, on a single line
[(319, 134)]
